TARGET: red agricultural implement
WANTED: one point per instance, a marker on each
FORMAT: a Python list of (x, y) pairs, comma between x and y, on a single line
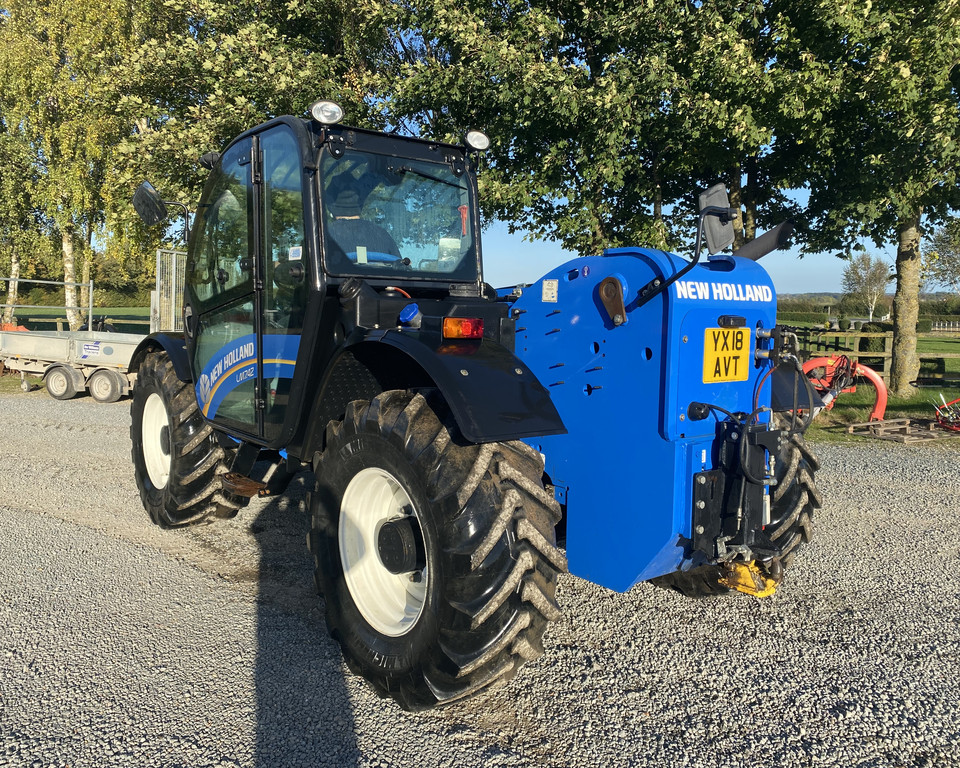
[(831, 376)]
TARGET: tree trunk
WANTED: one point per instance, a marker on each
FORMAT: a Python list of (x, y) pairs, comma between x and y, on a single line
[(85, 291), (906, 305), (13, 286), (70, 276)]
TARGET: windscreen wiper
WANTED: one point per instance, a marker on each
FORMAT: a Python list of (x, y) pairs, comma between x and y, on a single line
[(407, 169)]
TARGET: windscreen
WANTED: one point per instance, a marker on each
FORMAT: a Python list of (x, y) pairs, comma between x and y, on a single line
[(397, 217)]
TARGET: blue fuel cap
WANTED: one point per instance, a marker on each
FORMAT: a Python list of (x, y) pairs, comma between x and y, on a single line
[(410, 315)]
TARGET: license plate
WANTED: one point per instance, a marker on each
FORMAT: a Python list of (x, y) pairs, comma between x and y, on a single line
[(726, 354)]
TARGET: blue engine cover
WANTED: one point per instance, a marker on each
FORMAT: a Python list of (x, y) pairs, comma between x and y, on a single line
[(625, 469)]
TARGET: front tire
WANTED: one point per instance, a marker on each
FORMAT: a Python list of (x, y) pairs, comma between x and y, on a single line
[(471, 603), (176, 457)]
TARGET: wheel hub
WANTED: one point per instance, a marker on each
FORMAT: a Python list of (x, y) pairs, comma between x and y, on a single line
[(382, 552), (400, 546)]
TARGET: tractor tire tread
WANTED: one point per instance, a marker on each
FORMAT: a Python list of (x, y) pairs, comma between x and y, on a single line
[(193, 491), (496, 543)]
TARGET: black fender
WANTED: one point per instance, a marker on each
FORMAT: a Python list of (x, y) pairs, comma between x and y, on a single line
[(492, 394), (172, 344)]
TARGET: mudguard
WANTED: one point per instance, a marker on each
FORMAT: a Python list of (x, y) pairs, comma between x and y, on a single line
[(172, 344), (493, 395)]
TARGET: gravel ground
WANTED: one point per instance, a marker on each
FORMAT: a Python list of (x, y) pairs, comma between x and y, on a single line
[(124, 645)]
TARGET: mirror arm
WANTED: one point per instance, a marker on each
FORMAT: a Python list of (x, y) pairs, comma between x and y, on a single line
[(658, 286), (186, 218)]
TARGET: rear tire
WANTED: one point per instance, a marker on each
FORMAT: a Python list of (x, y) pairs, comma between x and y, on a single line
[(60, 384), (475, 606), (794, 498), (176, 457), (793, 501)]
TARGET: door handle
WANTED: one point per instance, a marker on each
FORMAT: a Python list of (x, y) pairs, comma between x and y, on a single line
[(188, 320)]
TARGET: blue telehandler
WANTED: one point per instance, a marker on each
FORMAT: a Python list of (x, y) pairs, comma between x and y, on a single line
[(632, 416)]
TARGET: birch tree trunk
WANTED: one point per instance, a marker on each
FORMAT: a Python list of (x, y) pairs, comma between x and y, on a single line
[(70, 276), (13, 286)]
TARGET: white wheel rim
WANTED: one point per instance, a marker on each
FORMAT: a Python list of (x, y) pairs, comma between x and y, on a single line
[(101, 386), (155, 457), (57, 382), (390, 602)]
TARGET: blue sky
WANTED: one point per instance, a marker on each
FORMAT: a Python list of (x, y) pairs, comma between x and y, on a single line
[(508, 260)]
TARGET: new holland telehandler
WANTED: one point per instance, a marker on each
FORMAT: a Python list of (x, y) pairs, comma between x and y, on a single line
[(643, 408)]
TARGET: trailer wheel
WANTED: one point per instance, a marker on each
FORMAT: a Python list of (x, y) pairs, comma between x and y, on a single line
[(176, 457), (60, 384), (105, 386), (436, 557), (793, 501)]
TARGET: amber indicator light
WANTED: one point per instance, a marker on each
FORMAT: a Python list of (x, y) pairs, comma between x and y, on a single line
[(463, 328)]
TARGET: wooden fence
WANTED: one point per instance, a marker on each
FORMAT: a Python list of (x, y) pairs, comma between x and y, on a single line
[(823, 343)]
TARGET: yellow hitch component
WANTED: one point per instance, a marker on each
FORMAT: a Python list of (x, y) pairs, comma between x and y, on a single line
[(748, 578)]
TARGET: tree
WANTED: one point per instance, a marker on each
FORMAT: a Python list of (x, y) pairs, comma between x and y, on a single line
[(19, 233), (606, 119), (57, 64), (206, 70), (941, 259), (886, 160), (865, 280)]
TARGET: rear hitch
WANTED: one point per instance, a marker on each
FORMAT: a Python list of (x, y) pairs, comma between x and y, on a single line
[(731, 504), (747, 578)]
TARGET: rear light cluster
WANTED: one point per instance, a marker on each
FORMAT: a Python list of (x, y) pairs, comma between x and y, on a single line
[(463, 327)]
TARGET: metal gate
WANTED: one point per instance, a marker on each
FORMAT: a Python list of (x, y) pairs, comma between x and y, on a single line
[(166, 310)]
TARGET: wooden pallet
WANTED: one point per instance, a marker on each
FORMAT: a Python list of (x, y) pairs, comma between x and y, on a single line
[(902, 431)]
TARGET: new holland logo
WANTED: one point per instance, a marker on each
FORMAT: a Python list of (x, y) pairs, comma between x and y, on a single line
[(204, 388), (701, 291)]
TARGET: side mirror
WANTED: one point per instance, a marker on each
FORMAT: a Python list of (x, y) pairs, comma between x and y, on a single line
[(209, 159), (719, 231), (148, 204)]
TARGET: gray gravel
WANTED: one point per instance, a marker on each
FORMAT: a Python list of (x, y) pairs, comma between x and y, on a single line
[(124, 645)]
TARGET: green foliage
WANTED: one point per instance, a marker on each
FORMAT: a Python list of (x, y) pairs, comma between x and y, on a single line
[(941, 257), (815, 318), (865, 281), (602, 115), (206, 71), (891, 147)]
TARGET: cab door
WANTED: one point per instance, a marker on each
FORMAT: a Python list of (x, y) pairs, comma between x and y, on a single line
[(221, 302), (247, 284)]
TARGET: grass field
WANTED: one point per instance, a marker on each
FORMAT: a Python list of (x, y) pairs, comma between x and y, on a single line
[(855, 408), (124, 319)]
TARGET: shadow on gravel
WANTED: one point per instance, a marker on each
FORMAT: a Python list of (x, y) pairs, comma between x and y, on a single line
[(304, 714)]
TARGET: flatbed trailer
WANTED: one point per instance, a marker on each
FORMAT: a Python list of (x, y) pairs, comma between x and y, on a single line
[(71, 361)]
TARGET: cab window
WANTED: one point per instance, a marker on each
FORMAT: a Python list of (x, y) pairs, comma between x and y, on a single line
[(221, 266), (396, 217)]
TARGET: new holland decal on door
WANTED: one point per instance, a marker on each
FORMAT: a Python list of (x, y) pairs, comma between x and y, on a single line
[(237, 363)]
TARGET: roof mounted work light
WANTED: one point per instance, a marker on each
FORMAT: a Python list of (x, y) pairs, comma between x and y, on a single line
[(326, 112), (478, 140)]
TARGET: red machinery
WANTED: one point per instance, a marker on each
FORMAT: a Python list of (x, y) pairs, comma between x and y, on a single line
[(832, 375), (948, 414)]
